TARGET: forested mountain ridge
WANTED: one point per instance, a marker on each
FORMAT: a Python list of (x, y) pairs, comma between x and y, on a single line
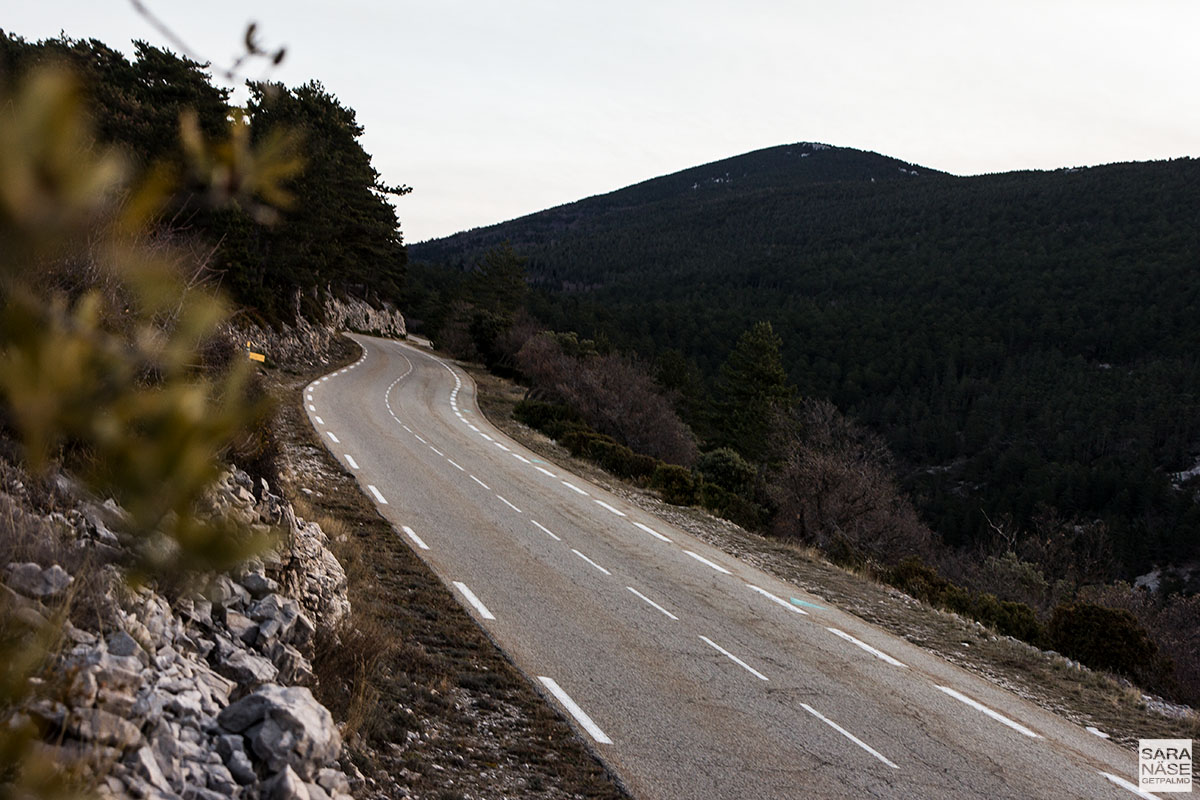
[(1027, 342), (774, 169)]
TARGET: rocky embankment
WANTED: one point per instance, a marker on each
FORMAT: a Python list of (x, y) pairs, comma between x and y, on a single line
[(198, 692), (307, 344)]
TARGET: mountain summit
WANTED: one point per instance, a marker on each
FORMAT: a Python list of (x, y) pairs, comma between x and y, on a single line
[(784, 168)]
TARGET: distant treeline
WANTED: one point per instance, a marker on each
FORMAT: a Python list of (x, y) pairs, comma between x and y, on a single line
[(340, 233), (1026, 343)]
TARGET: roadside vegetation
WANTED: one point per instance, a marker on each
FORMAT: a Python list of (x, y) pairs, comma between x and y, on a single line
[(761, 454)]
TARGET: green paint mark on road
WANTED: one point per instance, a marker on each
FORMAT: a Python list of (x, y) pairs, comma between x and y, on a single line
[(807, 604)]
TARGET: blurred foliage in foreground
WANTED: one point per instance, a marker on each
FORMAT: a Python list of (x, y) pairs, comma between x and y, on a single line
[(111, 361), (343, 237)]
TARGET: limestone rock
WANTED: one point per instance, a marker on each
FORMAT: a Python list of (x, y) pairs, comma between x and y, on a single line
[(102, 727), (286, 786), (248, 669), (285, 726), (36, 582)]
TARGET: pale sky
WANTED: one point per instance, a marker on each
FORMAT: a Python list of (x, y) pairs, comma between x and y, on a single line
[(492, 109)]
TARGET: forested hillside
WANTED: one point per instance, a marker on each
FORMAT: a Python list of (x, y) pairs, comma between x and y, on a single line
[(334, 230), (1027, 343)]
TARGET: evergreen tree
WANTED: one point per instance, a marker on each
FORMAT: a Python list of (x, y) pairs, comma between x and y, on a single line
[(342, 233), (497, 284), (752, 387)]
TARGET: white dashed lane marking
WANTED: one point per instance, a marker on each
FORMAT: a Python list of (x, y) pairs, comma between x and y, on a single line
[(705, 561), (474, 601), (547, 531), (416, 539), (651, 602), (378, 496), (575, 711), (873, 651), (734, 659), (350, 460), (652, 532), (847, 734), (588, 560), (1016, 726), (332, 437), (575, 488), (607, 507), (776, 600)]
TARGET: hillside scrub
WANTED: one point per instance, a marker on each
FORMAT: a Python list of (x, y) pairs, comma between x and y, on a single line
[(1023, 341), (612, 394)]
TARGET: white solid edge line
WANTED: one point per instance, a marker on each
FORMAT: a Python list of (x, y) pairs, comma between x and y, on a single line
[(546, 531), (318, 419), (847, 734), (575, 711), (378, 496), (510, 505), (545, 471), (873, 651), (735, 659), (605, 505), (334, 438), (1016, 726), (652, 532), (651, 602), (474, 601), (416, 539), (456, 466), (1133, 787), (776, 600), (350, 460), (575, 488), (481, 483), (704, 560), (593, 563)]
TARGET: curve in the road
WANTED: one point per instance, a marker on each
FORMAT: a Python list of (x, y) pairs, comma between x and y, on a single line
[(668, 639)]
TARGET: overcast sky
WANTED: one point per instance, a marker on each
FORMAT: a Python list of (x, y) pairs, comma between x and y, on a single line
[(492, 109)]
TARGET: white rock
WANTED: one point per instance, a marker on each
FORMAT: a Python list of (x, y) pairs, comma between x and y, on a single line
[(33, 581)]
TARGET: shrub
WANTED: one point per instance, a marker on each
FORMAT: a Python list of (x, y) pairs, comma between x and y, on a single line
[(1103, 638), (726, 469), (731, 506), (553, 419), (923, 582), (1009, 618), (675, 484)]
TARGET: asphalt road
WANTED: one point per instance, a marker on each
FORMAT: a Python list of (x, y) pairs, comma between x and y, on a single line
[(692, 674)]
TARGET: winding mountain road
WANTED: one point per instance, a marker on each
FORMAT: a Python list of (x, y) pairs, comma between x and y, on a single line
[(692, 674)]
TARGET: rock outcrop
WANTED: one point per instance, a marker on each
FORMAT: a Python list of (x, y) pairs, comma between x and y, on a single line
[(307, 344), (205, 695)]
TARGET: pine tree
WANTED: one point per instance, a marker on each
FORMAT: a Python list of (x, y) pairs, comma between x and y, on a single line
[(751, 388)]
